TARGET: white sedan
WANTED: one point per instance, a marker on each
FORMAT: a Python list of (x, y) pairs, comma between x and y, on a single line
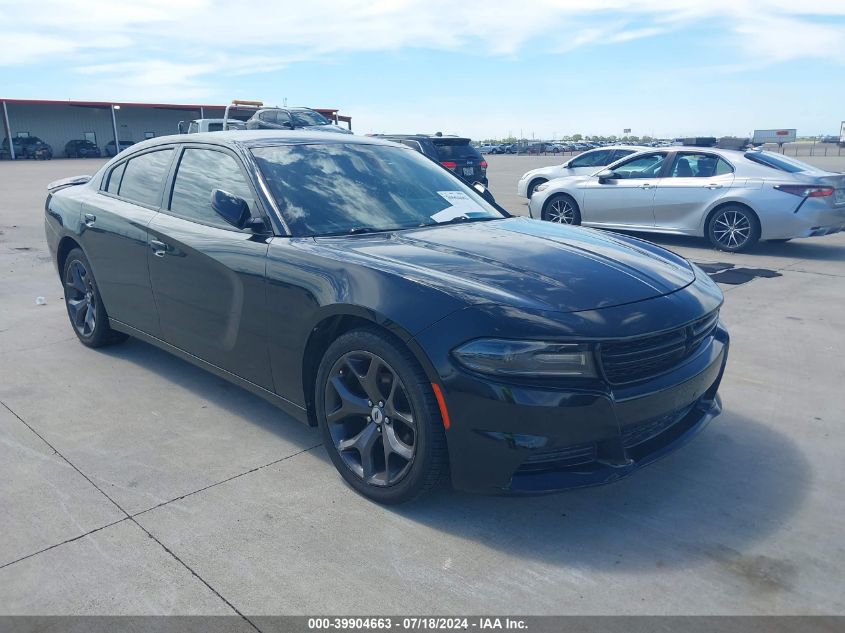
[(584, 163)]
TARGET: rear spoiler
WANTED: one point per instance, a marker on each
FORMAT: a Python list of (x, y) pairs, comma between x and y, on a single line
[(63, 183)]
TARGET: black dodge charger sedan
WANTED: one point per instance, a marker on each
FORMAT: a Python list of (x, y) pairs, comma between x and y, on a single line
[(366, 290)]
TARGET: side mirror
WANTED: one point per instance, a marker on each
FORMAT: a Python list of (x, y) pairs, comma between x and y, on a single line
[(231, 208), (484, 192), (607, 174)]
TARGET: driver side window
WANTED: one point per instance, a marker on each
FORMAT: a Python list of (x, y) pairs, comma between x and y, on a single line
[(648, 166)]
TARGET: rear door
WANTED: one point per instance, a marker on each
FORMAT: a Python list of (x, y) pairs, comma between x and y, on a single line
[(208, 277), (628, 199), (694, 181), (115, 235)]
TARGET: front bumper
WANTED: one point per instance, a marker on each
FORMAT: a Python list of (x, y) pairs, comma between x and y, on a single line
[(506, 438)]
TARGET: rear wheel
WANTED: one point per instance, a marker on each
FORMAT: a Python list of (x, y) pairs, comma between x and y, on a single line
[(379, 418), (733, 228), (84, 305), (562, 209)]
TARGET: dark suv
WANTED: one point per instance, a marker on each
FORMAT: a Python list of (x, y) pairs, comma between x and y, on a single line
[(292, 119), (29, 147), (80, 148), (455, 153)]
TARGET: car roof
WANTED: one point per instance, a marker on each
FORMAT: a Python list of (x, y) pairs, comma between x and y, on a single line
[(258, 138), (431, 137)]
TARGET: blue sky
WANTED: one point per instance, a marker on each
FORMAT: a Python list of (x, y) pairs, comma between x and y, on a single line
[(545, 69)]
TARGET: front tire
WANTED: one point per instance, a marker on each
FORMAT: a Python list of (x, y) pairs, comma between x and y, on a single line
[(85, 308), (533, 185), (379, 418), (733, 228), (562, 209)]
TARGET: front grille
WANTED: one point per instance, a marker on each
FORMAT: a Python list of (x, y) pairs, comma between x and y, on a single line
[(647, 356), (559, 458), (644, 431)]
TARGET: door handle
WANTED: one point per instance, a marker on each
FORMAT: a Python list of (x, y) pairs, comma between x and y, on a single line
[(714, 185), (159, 248), (90, 218), (645, 185)]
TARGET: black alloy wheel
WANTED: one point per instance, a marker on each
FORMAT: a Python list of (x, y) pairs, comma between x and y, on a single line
[(370, 418), (84, 304), (379, 418)]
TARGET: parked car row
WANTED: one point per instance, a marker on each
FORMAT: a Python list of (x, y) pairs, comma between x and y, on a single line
[(733, 198)]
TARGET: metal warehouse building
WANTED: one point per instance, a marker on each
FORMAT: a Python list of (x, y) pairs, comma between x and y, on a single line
[(57, 122)]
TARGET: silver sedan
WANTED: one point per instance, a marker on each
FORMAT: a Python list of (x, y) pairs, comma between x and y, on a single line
[(732, 198)]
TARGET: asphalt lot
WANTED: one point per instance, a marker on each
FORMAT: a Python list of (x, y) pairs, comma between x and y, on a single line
[(134, 483)]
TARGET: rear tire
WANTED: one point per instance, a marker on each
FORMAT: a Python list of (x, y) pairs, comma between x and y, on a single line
[(379, 418), (733, 228), (85, 308), (562, 209)]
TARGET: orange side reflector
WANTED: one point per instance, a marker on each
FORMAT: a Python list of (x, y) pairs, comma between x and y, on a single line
[(441, 402)]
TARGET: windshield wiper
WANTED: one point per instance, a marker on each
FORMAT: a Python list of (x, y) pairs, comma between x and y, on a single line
[(458, 220)]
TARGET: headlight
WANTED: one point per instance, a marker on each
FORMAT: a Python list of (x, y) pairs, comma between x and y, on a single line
[(541, 187), (502, 357)]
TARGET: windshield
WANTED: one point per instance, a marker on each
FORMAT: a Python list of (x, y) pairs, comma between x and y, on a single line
[(779, 161), (308, 117), (336, 188)]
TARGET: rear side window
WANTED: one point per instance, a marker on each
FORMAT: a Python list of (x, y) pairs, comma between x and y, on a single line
[(777, 161), (200, 172), (144, 176), (451, 150), (114, 178), (591, 159)]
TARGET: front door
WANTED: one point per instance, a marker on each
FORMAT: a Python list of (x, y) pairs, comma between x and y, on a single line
[(627, 199), (207, 276)]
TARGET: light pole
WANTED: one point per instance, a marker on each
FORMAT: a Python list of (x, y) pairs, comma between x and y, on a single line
[(114, 128)]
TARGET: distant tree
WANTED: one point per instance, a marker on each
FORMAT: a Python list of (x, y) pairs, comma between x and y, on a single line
[(577, 137), (646, 139)]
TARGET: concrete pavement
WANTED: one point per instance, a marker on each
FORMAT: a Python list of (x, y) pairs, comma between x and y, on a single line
[(134, 483)]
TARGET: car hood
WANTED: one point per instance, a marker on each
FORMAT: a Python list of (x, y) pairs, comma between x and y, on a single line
[(522, 263)]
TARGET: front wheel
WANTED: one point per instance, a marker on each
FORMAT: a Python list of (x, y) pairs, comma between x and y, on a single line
[(533, 185), (379, 418), (561, 209), (733, 228), (84, 305)]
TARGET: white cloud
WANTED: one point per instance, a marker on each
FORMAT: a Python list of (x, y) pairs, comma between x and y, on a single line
[(145, 44)]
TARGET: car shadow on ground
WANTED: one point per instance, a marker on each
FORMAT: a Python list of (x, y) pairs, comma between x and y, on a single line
[(713, 499), (234, 400)]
